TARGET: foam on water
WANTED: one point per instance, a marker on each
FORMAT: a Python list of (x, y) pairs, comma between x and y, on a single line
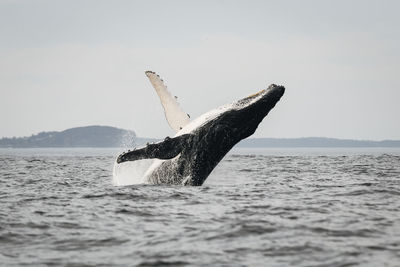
[(131, 172)]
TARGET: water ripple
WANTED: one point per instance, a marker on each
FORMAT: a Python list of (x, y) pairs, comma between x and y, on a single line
[(300, 210)]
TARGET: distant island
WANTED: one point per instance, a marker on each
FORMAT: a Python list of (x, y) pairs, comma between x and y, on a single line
[(89, 136), (106, 136)]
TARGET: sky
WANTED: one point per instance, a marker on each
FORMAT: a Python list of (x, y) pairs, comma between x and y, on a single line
[(66, 64)]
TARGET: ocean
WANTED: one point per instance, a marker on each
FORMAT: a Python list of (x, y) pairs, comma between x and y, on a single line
[(259, 207)]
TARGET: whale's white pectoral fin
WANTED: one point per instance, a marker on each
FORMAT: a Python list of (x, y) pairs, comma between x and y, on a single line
[(176, 117)]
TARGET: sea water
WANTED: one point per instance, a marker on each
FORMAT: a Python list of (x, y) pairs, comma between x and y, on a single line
[(259, 207)]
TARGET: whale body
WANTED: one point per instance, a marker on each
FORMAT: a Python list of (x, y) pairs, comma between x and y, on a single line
[(190, 156)]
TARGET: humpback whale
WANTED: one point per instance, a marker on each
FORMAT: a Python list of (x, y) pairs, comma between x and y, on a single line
[(198, 146)]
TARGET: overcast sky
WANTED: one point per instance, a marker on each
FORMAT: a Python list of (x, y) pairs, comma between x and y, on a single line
[(75, 63)]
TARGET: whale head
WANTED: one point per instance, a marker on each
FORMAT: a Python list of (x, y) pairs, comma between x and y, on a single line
[(248, 112)]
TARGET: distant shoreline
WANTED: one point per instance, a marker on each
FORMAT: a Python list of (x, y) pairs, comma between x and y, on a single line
[(315, 142), (111, 137)]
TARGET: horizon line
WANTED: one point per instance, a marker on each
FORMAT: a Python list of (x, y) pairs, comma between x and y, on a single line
[(160, 138)]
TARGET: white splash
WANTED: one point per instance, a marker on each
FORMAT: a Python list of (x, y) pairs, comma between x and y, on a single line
[(131, 172)]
